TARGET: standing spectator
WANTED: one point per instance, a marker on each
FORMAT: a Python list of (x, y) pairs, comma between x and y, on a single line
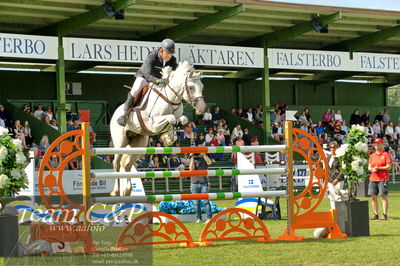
[(200, 184), (44, 144), (335, 175), (365, 117), (207, 118), (376, 128), (28, 133), (227, 135), (49, 113), (389, 132), (216, 116), (18, 132), (379, 165), (385, 117), (249, 115), (338, 116), (39, 113), (5, 116), (355, 118)]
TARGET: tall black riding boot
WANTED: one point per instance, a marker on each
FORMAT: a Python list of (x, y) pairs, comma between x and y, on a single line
[(127, 108)]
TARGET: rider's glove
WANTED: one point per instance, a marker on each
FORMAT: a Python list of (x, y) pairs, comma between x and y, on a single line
[(163, 81)]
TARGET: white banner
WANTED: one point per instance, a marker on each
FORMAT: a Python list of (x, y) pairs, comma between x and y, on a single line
[(136, 52), (28, 46)]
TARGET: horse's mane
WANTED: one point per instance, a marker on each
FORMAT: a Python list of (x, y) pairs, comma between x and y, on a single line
[(183, 68)]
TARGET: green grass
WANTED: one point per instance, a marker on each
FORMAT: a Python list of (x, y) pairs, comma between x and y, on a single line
[(382, 247)]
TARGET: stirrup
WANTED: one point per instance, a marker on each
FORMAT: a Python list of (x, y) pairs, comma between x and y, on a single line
[(122, 120)]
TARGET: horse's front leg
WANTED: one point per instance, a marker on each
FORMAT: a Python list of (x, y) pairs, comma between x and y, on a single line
[(163, 123), (183, 120)]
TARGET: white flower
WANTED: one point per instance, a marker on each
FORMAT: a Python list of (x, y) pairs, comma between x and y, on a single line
[(3, 131), (20, 158), (342, 150), (362, 147), (364, 161), (16, 173), (360, 170), (3, 180), (3, 152), (17, 143), (355, 165), (361, 128)]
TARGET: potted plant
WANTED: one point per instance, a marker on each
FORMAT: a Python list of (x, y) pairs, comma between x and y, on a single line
[(353, 213), (12, 180)]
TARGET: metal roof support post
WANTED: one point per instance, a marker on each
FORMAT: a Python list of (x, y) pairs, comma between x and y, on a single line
[(266, 97), (61, 99)]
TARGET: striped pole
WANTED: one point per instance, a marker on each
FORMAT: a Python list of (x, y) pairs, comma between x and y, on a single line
[(202, 196), (187, 173), (175, 150)]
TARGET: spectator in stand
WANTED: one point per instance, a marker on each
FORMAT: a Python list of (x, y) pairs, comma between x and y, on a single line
[(376, 128), (338, 116), (389, 132), (185, 160), (302, 118), (246, 137), (46, 120), (220, 126), (240, 112), (233, 110), (397, 130), (221, 137), (73, 164), (5, 116), (76, 125), (385, 117), (39, 113), (70, 125), (308, 115), (49, 113), (239, 141), (369, 129), (54, 163), (53, 123), (327, 117), (236, 132), (154, 162), (209, 136), (319, 129), (337, 129), (216, 116), (2, 124), (395, 164), (338, 139), (227, 134), (304, 126), (207, 118), (379, 116), (175, 163), (214, 143), (365, 118), (142, 163), (71, 115), (201, 141), (249, 115), (274, 131), (258, 116), (44, 144), (355, 118), (273, 116), (18, 132), (28, 134)]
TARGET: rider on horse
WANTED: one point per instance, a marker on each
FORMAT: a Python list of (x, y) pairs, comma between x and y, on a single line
[(150, 71)]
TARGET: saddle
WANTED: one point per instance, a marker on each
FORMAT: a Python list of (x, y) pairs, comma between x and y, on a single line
[(139, 96)]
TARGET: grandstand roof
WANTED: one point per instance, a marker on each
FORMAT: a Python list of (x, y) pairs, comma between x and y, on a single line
[(221, 22)]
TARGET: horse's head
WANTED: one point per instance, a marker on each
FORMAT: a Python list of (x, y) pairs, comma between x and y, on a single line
[(189, 83)]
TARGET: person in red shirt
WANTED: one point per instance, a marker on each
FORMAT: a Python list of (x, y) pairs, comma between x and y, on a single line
[(379, 165)]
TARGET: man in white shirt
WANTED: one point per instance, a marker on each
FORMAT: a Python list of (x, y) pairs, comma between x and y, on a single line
[(249, 115)]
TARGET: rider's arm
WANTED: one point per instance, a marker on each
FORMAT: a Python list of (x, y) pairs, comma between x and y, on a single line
[(148, 66)]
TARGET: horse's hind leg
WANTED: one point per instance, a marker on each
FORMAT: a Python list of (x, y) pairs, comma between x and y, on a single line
[(120, 140), (128, 160)]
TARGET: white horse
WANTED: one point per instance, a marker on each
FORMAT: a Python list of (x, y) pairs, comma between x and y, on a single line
[(161, 109)]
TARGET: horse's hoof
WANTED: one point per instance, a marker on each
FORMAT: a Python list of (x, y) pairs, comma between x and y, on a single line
[(127, 192), (114, 193)]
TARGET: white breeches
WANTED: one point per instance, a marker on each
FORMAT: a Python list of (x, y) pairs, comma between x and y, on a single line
[(137, 85), (334, 193)]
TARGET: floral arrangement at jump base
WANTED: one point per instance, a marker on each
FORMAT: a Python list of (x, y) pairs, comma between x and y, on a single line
[(354, 158), (12, 163)]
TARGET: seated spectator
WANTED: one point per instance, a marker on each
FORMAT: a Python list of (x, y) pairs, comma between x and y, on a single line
[(240, 112), (2, 124), (207, 118), (304, 126), (254, 141), (246, 137), (142, 163), (302, 117), (365, 118), (379, 116), (390, 133), (28, 133), (355, 118), (49, 113), (46, 120), (220, 126), (92, 135), (54, 163), (221, 137), (70, 125), (369, 130), (18, 132), (227, 135), (201, 141), (44, 144), (338, 139), (397, 129), (338, 116), (185, 160), (258, 116), (73, 164), (385, 117), (239, 141), (76, 125), (214, 143), (5, 116), (216, 116), (71, 115), (376, 128), (175, 163), (258, 158), (308, 115), (327, 117), (154, 162), (53, 123), (209, 136), (337, 129), (249, 115), (319, 129), (233, 110), (236, 132), (39, 113)]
